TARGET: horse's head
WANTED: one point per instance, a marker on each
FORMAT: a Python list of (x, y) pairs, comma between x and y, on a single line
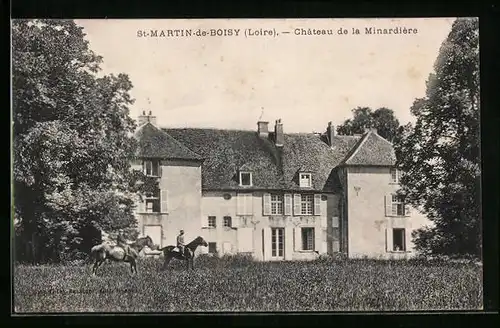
[(149, 242), (145, 241), (201, 241)]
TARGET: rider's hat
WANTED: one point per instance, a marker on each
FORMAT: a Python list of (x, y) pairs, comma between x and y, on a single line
[(182, 231)]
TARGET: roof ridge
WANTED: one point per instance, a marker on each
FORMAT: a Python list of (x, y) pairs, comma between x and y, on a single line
[(177, 142), (356, 148)]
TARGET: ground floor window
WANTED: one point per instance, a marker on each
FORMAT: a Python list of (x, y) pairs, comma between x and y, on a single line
[(212, 248), (308, 239), (398, 240), (277, 242)]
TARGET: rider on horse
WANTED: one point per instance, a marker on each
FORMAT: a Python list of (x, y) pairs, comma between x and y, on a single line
[(122, 242), (180, 242)]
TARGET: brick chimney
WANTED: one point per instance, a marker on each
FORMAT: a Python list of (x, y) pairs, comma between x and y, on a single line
[(144, 118), (278, 133), (330, 133), (263, 129)]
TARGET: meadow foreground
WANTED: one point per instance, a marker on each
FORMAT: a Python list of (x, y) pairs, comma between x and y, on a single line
[(236, 284)]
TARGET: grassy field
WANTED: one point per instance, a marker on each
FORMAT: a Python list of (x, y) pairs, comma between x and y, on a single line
[(236, 284)]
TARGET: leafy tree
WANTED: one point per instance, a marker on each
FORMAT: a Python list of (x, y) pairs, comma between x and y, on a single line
[(382, 119), (72, 141), (440, 155)]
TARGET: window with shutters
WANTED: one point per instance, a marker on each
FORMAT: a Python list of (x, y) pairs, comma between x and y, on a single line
[(306, 204), (398, 240), (152, 202), (212, 222), (151, 168), (245, 179), (305, 180), (395, 175), (276, 204), (307, 239), (227, 222), (398, 205)]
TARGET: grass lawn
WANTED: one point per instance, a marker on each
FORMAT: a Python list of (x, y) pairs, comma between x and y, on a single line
[(236, 284)]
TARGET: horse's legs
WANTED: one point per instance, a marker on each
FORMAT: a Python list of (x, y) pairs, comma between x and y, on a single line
[(133, 265), (165, 263)]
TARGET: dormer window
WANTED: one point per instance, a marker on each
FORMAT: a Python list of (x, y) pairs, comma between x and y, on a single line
[(305, 180), (395, 175), (245, 178), (151, 168)]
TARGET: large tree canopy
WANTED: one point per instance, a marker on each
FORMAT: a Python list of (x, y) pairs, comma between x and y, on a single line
[(440, 155), (72, 141), (382, 119)]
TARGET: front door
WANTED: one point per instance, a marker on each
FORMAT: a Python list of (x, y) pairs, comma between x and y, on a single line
[(277, 243)]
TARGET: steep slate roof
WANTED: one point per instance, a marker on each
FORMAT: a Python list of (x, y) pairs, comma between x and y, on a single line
[(371, 150), (226, 152), (155, 143)]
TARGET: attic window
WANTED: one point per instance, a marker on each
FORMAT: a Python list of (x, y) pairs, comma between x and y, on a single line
[(245, 178), (305, 180)]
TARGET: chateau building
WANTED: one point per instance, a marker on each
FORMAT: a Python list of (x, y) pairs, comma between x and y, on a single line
[(274, 195)]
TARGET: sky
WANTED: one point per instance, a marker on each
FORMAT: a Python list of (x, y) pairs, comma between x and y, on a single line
[(233, 81)]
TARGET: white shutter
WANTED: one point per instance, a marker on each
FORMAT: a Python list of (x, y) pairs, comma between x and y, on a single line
[(317, 204), (266, 204), (317, 239), (288, 204), (296, 204), (235, 222), (298, 240), (335, 222), (163, 199), (267, 242), (141, 206), (289, 243), (324, 241), (240, 204), (407, 210), (322, 222), (248, 204), (388, 205), (388, 239), (204, 221)]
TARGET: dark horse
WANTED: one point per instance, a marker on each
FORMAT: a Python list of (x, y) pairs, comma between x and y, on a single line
[(100, 253), (170, 253)]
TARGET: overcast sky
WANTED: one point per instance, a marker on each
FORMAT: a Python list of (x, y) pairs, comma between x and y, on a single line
[(228, 82)]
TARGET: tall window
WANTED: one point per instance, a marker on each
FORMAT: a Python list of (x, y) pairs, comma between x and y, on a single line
[(395, 175), (305, 180), (398, 205), (245, 178), (398, 240), (152, 168), (227, 222), (277, 242), (306, 204), (277, 204), (211, 222), (308, 239)]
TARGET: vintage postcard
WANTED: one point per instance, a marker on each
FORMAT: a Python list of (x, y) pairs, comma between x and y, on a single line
[(246, 165)]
